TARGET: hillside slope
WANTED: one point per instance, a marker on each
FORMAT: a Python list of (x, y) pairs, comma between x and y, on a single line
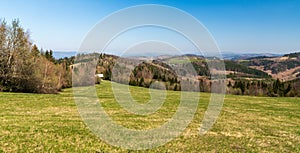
[(285, 68), (51, 123)]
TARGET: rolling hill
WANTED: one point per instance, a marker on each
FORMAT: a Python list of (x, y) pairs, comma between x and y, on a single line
[(262, 75), (285, 68)]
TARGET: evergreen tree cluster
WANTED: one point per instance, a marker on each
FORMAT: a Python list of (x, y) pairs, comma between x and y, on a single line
[(274, 88)]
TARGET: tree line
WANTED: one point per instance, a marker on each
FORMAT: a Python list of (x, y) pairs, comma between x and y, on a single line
[(26, 68), (267, 87)]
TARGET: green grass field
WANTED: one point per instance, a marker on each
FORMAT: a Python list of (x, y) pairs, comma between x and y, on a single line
[(51, 123)]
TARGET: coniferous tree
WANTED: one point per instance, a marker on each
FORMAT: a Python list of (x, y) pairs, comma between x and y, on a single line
[(35, 52)]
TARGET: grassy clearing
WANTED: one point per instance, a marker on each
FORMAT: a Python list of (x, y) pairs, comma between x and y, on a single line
[(181, 60), (51, 123)]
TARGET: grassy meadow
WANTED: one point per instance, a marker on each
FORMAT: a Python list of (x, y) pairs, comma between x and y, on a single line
[(51, 123)]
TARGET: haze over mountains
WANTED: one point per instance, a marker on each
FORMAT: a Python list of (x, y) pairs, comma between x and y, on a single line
[(240, 56), (226, 55), (62, 54)]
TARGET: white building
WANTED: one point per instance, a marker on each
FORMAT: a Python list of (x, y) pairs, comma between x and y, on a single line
[(100, 75)]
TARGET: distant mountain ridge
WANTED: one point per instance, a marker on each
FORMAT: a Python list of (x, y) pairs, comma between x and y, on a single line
[(226, 55), (63, 54), (241, 56)]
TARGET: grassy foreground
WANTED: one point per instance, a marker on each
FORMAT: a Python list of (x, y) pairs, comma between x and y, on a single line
[(51, 123)]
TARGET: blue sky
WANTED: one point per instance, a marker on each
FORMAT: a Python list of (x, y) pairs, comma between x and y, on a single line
[(237, 25)]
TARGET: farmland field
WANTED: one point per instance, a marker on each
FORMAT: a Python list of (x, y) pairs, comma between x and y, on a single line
[(51, 123)]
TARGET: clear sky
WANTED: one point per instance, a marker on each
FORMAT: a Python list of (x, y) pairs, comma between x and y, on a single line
[(237, 25)]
